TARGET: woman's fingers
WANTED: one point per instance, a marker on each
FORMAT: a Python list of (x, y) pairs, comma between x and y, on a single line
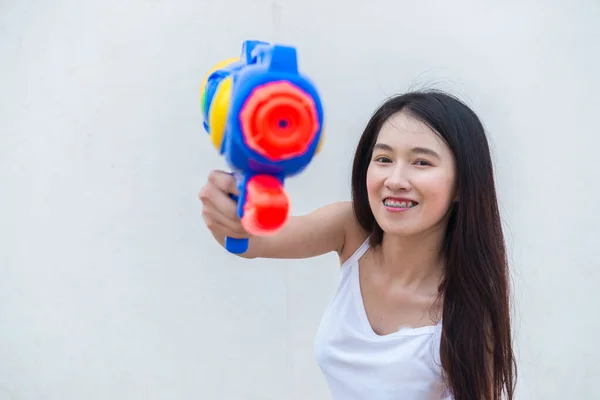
[(219, 210), (224, 181)]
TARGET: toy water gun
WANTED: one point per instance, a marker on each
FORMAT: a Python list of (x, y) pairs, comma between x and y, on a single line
[(266, 119)]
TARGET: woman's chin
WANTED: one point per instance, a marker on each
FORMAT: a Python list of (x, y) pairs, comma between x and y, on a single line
[(398, 229)]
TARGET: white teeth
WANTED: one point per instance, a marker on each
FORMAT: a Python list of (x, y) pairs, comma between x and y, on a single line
[(398, 204)]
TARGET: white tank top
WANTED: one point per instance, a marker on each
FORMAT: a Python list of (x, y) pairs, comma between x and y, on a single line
[(359, 364)]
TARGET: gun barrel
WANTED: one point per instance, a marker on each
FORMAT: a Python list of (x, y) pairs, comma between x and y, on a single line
[(279, 120)]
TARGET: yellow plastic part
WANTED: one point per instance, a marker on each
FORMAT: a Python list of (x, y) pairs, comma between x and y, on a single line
[(321, 139), (220, 65), (217, 116)]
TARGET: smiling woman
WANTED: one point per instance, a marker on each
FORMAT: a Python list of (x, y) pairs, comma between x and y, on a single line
[(422, 308), (410, 169), (452, 236)]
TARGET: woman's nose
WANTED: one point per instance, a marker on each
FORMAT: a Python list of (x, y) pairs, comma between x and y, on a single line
[(397, 180)]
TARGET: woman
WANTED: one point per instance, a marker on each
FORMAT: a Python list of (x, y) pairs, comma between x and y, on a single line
[(422, 308)]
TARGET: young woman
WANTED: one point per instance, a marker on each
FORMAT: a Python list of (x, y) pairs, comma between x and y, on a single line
[(422, 308)]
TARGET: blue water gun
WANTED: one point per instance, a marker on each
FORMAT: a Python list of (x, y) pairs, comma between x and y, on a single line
[(266, 118)]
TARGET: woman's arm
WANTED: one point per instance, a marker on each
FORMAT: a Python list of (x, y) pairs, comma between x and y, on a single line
[(321, 231)]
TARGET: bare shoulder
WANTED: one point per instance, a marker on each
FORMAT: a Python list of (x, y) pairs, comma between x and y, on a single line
[(354, 236)]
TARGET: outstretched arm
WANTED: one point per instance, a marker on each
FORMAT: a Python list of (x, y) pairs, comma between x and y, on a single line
[(319, 232)]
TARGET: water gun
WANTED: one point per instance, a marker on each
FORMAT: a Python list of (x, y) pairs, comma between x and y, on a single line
[(266, 119)]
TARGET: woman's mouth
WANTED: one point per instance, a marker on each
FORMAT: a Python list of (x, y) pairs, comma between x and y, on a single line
[(398, 204)]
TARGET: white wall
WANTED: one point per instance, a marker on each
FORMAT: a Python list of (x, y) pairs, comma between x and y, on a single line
[(112, 288)]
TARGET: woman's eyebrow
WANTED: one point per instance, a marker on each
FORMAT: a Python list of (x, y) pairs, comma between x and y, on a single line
[(415, 150), (425, 150)]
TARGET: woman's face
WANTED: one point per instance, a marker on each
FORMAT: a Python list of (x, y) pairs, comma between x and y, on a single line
[(411, 178)]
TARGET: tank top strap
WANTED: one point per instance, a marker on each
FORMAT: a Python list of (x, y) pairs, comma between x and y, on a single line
[(358, 253)]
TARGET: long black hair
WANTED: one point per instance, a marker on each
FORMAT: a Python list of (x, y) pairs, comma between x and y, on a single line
[(476, 346)]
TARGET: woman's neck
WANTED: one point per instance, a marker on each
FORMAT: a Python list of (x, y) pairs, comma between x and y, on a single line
[(412, 261)]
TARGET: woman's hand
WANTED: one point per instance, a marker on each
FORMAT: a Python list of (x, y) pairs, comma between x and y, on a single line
[(219, 210)]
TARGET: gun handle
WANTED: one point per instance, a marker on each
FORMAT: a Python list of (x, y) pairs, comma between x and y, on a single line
[(265, 212), (236, 245)]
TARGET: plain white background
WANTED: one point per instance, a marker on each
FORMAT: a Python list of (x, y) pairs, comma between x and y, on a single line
[(112, 288)]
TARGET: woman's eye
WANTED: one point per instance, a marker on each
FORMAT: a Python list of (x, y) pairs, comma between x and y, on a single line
[(422, 162), (383, 159)]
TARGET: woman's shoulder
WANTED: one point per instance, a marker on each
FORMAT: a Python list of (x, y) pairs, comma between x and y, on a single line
[(354, 236)]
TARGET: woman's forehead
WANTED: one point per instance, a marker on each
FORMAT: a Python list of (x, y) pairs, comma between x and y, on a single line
[(402, 129)]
